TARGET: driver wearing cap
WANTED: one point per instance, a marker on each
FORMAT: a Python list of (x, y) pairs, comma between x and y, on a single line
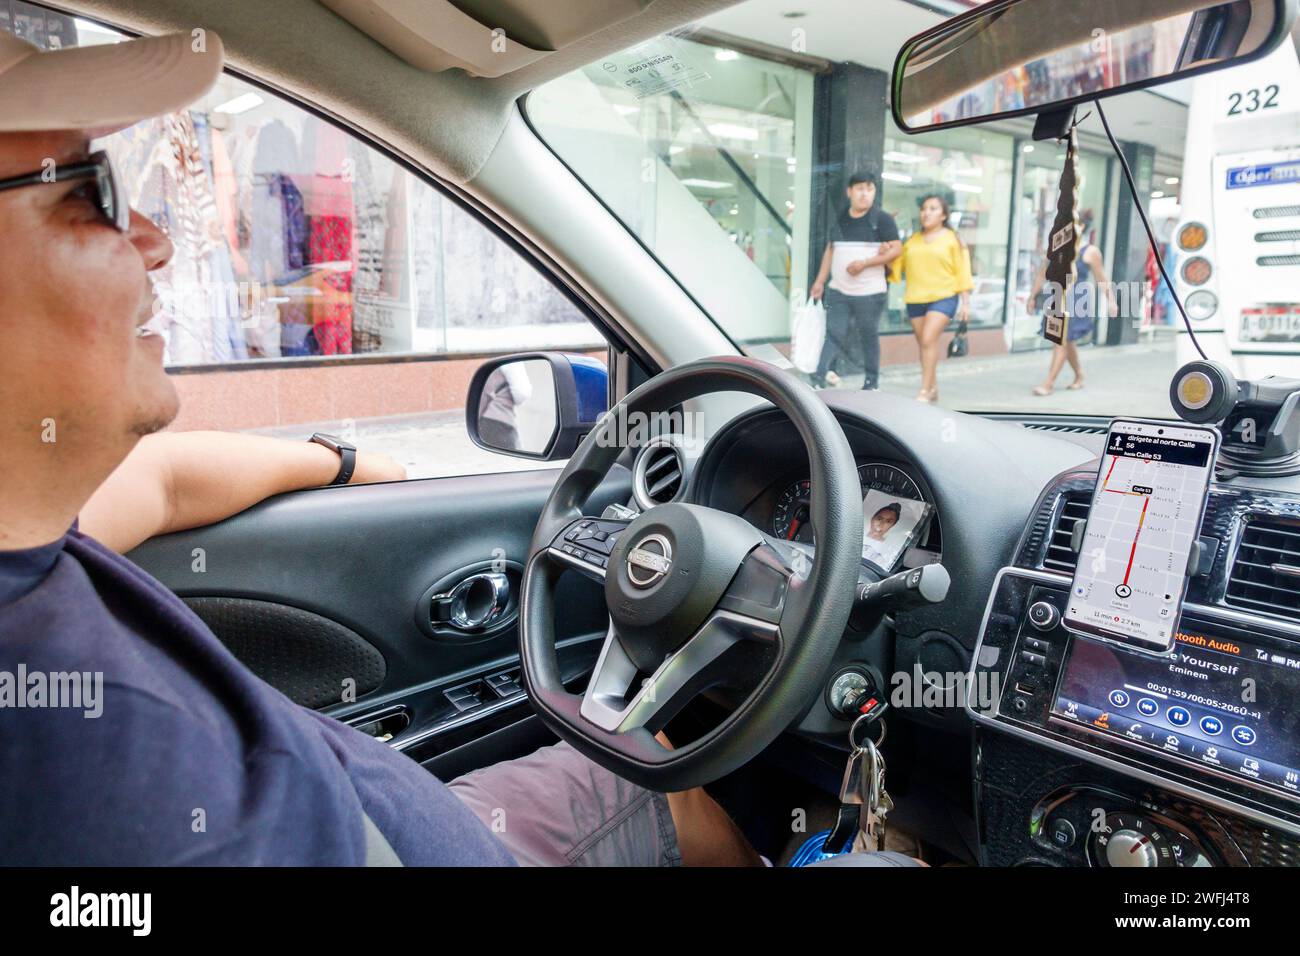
[(132, 735)]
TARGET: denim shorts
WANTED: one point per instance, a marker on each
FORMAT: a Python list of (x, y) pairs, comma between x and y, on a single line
[(947, 306)]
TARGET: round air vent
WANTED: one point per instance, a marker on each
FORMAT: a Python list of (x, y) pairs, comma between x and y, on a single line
[(659, 473)]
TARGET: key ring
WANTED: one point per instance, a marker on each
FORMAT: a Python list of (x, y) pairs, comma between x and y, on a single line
[(853, 732)]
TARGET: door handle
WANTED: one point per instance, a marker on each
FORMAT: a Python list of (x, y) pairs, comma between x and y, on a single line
[(476, 603)]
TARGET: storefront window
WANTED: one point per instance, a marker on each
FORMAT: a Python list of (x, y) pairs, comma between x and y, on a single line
[(705, 153), (736, 152), (294, 239), (971, 170), (1039, 188)]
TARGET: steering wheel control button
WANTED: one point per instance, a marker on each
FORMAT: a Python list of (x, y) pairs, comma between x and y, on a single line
[(1178, 716), (590, 541), (1043, 615)]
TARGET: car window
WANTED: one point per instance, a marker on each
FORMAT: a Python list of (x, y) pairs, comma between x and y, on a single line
[(317, 285), (728, 149)]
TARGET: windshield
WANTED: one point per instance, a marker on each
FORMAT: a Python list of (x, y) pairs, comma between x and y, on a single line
[(754, 155)]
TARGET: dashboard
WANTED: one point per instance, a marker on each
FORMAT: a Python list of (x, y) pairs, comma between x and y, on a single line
[(1190, 773), (909, 520)]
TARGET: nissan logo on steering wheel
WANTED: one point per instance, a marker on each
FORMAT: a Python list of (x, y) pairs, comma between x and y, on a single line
[(649, 560)]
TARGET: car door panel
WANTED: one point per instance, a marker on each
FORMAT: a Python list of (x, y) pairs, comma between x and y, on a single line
[(318, 588)]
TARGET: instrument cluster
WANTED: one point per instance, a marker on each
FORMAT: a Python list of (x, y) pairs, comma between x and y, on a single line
[(790, 516)]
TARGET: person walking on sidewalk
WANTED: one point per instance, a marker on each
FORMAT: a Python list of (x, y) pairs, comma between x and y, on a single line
[(936, 266), (1082, 297), (864, 241)]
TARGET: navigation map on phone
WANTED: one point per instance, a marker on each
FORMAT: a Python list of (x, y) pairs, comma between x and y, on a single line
[(1145, 517)]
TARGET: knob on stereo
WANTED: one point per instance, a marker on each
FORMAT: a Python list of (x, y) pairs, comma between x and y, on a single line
[(1043, 615), (1132, 840), (1130, 848)]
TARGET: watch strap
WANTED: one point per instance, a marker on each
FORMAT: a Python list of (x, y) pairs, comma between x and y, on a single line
[(347, 453), (347, 465)]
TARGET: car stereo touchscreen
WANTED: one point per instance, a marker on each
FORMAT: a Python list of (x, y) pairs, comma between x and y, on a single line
[(1227, 705), (1146, 514)]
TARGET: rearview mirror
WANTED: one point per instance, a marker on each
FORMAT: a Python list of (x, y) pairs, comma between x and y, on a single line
[(1016, 57), (538, 405)]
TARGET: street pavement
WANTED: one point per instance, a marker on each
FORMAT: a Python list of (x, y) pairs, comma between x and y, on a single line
[(1118, 380)]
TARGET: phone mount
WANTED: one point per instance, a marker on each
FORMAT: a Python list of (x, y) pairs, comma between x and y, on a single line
[(1260, 420), (1199, 558)]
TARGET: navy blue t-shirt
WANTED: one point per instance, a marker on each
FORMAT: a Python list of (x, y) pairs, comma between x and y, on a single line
[(182, 756)]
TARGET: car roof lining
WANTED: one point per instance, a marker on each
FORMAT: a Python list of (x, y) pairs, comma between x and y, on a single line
[(448, 121)]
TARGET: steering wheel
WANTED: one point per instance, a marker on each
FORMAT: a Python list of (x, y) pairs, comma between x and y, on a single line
[(696, 597)]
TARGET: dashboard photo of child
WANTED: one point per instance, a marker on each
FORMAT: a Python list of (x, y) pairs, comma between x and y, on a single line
[(890, 525)]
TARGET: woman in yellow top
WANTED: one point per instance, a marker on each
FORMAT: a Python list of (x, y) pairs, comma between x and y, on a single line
[(936, 265)]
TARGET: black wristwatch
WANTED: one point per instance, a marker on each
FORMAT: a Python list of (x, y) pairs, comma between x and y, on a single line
[(347, 453)]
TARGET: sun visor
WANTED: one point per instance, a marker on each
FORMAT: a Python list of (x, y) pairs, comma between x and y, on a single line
[(487, 38)]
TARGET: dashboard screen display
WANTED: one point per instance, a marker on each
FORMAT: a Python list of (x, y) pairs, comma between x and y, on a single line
[(1228, 705), (1146, 514)]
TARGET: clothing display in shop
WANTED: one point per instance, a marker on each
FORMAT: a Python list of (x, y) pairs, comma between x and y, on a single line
[(198, 307), (293, 239), (328, 206), (277, 230), (372, 218)]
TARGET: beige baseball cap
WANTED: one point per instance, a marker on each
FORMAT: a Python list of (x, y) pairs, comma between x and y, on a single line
[(103, 88)]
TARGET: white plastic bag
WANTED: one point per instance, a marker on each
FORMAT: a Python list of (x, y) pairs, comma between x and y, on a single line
[(807, 333)]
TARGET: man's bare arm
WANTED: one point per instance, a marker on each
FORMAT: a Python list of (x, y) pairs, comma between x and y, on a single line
[(819, 284), (177, 480)]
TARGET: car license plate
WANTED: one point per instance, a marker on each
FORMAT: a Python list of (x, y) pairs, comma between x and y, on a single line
[(1272, 324)]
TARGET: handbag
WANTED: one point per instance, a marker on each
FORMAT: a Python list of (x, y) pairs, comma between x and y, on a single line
[(807, 334), (959, 347)]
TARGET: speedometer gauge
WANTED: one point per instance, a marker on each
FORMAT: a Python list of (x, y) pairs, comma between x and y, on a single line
[(890, 480), (790, 518)]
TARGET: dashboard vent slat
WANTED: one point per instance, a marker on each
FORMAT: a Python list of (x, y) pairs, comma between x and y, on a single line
[(1060, 555), (1259, 580), (1069, 429)]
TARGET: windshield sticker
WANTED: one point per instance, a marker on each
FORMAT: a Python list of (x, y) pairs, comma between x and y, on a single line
[(1242, 177), (650, 69)]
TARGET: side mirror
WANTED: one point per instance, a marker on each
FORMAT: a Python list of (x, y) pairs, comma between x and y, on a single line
[(537, 405)]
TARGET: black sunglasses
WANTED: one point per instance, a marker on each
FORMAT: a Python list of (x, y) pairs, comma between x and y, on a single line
[(100, 170)]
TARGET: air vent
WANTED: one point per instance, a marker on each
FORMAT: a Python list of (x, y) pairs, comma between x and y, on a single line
[(1278, 261), (1060, 556), (657, 475), (1265, 577), (1067, 428)]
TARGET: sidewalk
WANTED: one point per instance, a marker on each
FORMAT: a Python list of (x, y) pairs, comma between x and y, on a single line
[(1126, 379), (429, 444), (1118, 380)]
